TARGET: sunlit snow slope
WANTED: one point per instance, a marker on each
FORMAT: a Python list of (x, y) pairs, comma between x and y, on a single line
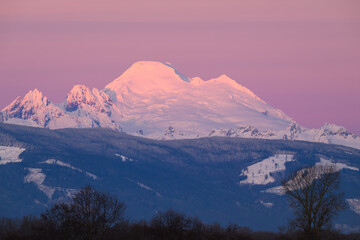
[(153, 96)]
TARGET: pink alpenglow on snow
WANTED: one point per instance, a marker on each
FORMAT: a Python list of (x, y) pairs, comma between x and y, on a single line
[(299, 56), (154, 100)]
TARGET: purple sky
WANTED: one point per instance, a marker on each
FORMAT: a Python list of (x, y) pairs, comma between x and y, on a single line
[(300, 56)]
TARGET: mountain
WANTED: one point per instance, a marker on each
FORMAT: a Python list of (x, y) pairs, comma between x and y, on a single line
[(35, 110), (219, 179), (83, 108), (329, 133), (153, 96), (154, 100), (90, 108)]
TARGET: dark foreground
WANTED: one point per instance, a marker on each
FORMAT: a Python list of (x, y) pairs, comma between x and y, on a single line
[(178, 227), (92, 214)]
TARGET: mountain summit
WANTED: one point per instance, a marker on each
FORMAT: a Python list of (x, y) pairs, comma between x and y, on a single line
[(146, 76), (154, 96), (155, 100)]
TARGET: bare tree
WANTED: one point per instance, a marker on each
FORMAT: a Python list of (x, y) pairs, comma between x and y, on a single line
[(60, 222), (174, 225), (90, 215), (97, 212), (313, 193), (169, 225)]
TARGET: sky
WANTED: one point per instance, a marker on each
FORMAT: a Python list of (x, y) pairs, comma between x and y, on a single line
[(300, 56)]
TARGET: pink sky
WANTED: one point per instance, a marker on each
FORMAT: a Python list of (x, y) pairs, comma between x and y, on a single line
[(300, 56)]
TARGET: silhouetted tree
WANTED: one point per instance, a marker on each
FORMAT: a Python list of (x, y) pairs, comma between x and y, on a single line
[(314, 195), (174, 225), (169, 225), (60, 221), (89, 215)]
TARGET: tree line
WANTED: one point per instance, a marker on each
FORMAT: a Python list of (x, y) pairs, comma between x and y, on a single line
[(168, 225)]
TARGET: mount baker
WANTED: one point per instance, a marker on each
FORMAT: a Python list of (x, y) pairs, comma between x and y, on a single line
[(154, 100)]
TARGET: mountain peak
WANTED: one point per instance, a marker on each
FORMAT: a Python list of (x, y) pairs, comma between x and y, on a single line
[(152, 67), (31, 107), (32, 99), (77, 95), (224, 79), (148, 76), (227, 80), (333, 128), (36, 97), (79, 88)]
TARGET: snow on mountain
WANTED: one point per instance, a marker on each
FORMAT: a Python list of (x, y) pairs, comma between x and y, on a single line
[(266, 204), (154, 100), (260, 172), (329, 133), (64, 164), (337, 166), (144, 186), (89, 108), (34, 109), (153, 96), (354, 204), (10, 154), (82, 108), (36, 176), (124, 158)]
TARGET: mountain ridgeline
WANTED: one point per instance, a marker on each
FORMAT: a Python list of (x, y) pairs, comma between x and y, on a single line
[(154, 100), (218, 179)]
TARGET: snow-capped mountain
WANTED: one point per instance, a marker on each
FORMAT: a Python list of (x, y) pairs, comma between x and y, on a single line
[(89, 108), (34, 109), (153, 96), (329, 133), (154, 100), (83, 108)]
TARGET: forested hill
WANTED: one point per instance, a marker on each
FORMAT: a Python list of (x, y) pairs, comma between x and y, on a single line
[(219, 179)]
